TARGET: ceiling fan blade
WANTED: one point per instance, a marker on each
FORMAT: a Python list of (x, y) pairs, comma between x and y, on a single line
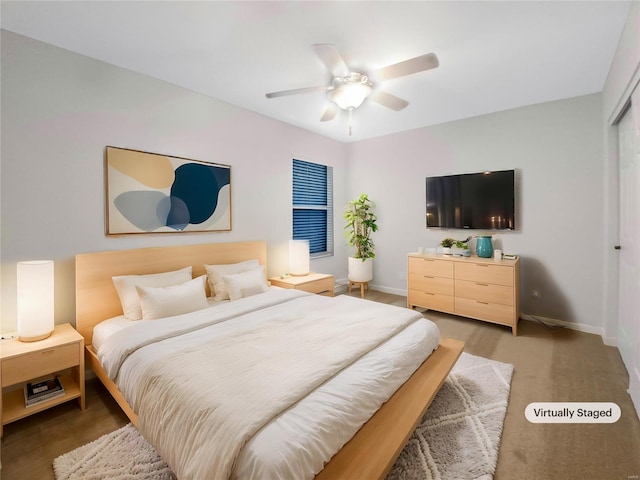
[(329, 113), (387, 100), (408, 67), (332, 59), (295, 91)]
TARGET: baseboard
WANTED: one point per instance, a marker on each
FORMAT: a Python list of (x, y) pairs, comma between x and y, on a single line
[(579, 327), (342, 285), (393, 291)]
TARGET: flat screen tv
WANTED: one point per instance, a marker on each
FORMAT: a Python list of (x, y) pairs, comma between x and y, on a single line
[(484, 201)]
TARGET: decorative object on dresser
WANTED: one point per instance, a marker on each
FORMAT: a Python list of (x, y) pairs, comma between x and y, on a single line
[(471, 287), (299, 257), (153, 193), (446, 245), (484, 246), (60, 356), (35, 300), (318, 283), (461, 248), (361, 223)]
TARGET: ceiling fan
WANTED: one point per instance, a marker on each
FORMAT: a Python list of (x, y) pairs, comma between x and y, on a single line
[(348, 89)]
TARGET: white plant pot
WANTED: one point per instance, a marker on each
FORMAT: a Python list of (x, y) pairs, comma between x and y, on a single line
[(360, 271)]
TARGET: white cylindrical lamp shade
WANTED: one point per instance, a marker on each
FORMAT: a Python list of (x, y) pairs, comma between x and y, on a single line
[(35, 300), (298, 257)]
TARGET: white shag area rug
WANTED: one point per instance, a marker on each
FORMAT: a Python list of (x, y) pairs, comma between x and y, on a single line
[(459, 436), (457, 439)]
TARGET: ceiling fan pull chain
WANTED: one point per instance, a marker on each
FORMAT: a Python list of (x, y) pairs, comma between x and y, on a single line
[(350, 118)]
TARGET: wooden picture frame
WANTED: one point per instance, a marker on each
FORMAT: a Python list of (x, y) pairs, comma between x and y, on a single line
[(154, 193)]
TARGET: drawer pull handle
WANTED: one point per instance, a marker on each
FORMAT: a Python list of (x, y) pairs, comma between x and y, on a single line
[(427, 276), (483, 284), (427, 293), (45, 352), (481, 265), (483, 303)]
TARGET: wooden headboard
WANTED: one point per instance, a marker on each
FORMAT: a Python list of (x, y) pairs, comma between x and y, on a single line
[(96, 297)]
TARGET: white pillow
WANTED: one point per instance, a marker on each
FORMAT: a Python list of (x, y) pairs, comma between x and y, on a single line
[(216, 272), (126, 288), (245, 284), (161, 302)]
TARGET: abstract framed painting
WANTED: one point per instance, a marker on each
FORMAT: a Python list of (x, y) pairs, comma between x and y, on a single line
[(153, 193)]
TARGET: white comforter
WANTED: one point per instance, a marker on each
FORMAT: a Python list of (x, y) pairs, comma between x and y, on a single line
[(203, 384)]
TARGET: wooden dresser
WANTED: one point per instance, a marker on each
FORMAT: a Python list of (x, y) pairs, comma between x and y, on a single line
[(473, 287)]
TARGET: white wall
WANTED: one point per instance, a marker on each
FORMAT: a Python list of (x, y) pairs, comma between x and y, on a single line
[(60, 110), (557, 149)]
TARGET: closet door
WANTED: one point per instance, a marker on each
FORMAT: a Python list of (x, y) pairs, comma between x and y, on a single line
[(629, 259)]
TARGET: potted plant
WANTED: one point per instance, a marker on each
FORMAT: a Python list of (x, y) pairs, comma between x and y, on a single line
[(446, 245), (361, 223), (461, 248)]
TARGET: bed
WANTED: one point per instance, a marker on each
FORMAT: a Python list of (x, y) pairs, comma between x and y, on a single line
[(374, 446)]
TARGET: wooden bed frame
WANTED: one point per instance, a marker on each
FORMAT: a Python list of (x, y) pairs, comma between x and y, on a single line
[(370, 454)]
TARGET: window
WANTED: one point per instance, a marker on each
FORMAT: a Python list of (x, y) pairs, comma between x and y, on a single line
[(313, 206)]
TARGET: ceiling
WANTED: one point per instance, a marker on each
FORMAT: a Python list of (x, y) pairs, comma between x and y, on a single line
[(493, 55)]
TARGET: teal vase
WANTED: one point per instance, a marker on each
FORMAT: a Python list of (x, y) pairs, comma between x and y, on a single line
[(484, 247)]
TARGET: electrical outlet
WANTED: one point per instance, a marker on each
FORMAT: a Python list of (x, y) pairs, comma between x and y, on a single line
[(535, 294)]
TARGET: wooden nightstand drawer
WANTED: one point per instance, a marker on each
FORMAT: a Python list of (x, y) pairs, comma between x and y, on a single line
[(323, 285), (318, 283), (32, 365)]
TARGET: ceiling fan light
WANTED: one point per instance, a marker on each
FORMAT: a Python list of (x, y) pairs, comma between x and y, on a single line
[(349, 95)]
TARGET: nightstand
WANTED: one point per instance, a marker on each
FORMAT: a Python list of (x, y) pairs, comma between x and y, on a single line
[(61, 354), (319, 283)]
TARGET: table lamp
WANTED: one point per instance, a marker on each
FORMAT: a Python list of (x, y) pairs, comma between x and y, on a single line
[(35, 300), (298, 258)]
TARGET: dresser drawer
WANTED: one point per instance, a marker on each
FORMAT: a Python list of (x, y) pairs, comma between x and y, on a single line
[(485, 273), (430, 284), (431, 266), (37, 364), (434, 301), (492, 312), (484, 292)]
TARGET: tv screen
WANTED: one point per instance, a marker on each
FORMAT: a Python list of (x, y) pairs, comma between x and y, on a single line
[(483, 201)]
